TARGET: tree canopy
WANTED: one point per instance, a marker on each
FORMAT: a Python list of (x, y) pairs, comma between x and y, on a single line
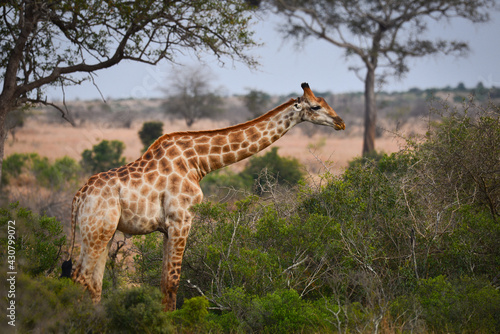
[(63, 43), (381, 34), (47, 42)]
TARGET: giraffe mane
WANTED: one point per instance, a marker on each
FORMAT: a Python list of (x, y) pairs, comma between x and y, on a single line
[(270, 113)]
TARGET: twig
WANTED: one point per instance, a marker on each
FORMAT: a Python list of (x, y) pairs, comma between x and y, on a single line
[(197, 288), (64, 114)]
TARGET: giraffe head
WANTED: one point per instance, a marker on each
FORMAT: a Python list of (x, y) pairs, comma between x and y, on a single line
[(316, 110)]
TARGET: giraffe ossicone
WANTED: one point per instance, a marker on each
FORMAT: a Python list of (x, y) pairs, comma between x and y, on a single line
[(156, 191)]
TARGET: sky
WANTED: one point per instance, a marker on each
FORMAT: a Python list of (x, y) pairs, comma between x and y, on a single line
[(285, 65)]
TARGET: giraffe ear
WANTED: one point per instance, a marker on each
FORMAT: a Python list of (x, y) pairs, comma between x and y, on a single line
[(297, 106)]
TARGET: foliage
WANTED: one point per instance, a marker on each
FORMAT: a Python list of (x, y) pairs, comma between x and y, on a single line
[(281, 170), (460, 305), (103, 156), (193, 317), (111, 32), (394, 244), (148, 257), (38, 240), (137, 310), (465, 144), (49, 305), (222, 183), (381, 35), (261, 173), (42, 42), (149, 132), (62, 173)]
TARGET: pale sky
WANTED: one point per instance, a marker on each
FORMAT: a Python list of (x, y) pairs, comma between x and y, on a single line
[(284, 66)]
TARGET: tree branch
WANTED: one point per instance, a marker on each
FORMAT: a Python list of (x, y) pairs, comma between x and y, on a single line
[(64, 113)]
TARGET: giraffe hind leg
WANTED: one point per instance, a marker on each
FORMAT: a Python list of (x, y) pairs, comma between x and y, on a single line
[(92, 261), (173, 250), (98, 274)]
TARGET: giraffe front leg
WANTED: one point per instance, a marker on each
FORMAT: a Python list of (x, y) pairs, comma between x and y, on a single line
[(174, 243)]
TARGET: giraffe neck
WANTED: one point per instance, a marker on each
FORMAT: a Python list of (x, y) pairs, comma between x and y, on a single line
[(233, 144), (210, 150)]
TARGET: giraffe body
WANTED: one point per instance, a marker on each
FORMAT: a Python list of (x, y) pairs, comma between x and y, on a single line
[(156, 191)]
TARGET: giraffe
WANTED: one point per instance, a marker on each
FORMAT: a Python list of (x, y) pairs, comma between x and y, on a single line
[(156, 191)]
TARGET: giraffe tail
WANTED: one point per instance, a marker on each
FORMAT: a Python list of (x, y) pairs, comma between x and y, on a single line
[(67, 265)]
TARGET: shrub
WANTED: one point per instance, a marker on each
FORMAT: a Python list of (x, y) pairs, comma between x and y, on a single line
[(38, 240), (193, 316), (103, 156), (221, 184), (48, 305), (137, 310), (63, 172), (149, 132), (13, 165), (148, 259), (461, 156), (282, 170), (282, 311), (460, 305)]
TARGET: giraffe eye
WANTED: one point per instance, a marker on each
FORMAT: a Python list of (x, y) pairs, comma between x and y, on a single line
[(316, 108)]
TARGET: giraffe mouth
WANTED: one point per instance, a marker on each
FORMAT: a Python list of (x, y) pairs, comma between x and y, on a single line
[(338, 123)]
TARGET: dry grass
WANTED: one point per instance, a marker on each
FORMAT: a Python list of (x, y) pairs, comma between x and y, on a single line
[(56, 140)]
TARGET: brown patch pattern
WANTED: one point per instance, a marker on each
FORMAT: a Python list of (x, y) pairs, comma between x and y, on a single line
[(156, 192)]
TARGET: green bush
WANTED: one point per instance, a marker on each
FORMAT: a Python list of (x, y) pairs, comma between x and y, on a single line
[(461, 156), (49, 305), (283, 171), (63, 172), (282, 311), (38, 240), (137, 310), (148, 259), (13, 165), (193, 317), (463, 305), (149, 132), (103, 156)]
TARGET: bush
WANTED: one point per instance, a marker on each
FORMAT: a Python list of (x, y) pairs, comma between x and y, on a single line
[(193, 316), (462, 305), (137, 310), (103, 156), (13, 165), (222, 184), (38, 240), (48, 305), (63, 172), (283, 171), (149, 132), (148, 259)]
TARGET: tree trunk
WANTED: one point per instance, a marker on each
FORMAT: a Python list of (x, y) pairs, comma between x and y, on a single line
[(3, 136), (370, 112)]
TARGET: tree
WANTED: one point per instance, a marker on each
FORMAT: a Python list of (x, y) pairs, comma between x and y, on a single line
[(190, 94), (103, 156), (63, 43), (257, 102), (383, 34), (149, 132)]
